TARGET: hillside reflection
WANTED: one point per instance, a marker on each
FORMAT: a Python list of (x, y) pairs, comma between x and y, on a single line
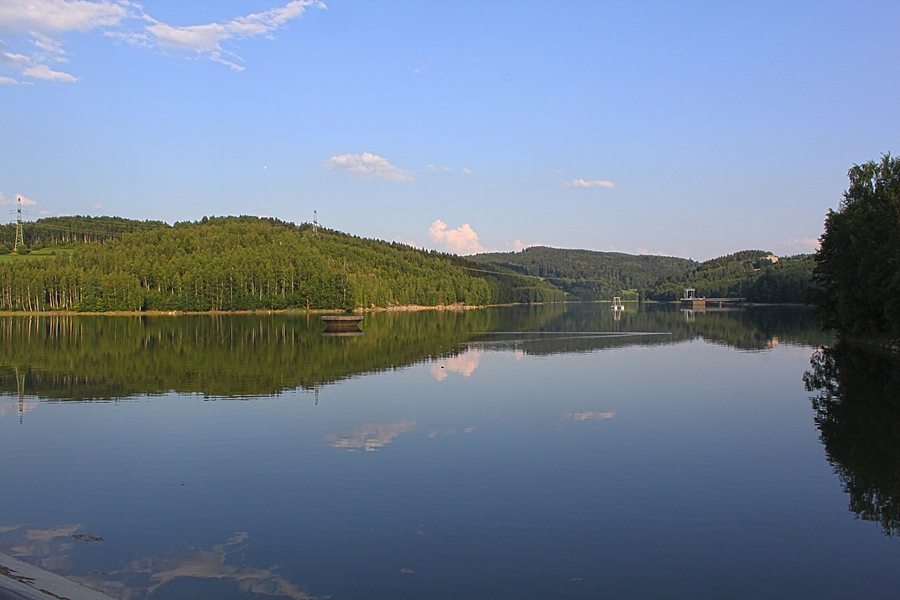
[(100, 357), (858, 416)]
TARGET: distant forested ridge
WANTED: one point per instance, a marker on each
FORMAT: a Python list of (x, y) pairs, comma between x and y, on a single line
[(243, 263), (590, 275), (749, 274)]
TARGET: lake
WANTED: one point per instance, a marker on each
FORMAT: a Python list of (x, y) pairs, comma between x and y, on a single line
[(556, 451)]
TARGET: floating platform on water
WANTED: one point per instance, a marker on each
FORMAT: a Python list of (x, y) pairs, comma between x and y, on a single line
[(342, 324)]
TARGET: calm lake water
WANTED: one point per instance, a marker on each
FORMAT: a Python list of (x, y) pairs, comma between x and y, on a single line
[(556, 451)]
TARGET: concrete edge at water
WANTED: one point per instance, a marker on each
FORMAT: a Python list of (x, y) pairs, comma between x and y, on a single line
[(20, 580)]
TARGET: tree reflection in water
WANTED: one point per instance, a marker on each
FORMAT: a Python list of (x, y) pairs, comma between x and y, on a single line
[(858, 416)]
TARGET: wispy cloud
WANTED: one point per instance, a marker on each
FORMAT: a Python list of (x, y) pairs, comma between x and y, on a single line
[(368, 166), (583, 183), (589, 415), (40, 26), (45, 72), (15, 200), (207, 39), (467, 171), (804, 245), (462, 240)]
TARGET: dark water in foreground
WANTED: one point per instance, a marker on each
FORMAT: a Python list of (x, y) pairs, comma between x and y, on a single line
[(544, 452)]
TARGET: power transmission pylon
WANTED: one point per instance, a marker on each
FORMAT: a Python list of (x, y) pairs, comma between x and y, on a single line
[(316, 222), (19, 239)]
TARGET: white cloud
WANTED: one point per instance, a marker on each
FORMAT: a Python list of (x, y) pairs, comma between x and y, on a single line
[(431, 167), (41, 25), (462, 240), (7, 81), (45, 72), (446, 168), (58, 16), (368, 166), (582, 183), (207, 38), (519, 245), (25, 201), (467, 171), (98, 205)]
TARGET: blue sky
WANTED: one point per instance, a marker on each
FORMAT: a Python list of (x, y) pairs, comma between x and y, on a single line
[(685, 128)]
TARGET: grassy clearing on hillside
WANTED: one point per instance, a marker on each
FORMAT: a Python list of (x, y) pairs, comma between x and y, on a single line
[(37, 254)]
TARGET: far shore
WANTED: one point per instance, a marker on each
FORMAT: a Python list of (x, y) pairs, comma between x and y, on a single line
[(457, 307)]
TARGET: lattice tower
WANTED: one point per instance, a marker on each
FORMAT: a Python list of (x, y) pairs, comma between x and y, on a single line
[(20, 240)]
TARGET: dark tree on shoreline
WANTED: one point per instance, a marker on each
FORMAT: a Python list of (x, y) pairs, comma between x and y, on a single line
[(857, 274)]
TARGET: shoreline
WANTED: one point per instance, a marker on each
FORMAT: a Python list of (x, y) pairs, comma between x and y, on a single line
[(456, 307), (259, 311)]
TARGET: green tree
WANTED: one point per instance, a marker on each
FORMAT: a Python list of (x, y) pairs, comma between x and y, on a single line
[(856, 279)]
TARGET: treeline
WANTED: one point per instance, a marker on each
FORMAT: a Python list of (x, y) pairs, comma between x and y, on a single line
[(590, 275), (856, 282), (60, 231), (246, 263), (750, 274)]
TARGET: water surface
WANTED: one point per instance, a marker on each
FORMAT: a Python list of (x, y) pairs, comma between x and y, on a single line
[(553, 451)]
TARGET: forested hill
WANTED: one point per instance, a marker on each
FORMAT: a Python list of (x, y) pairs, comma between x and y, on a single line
[(750, 274), (591, 275), (239, 263), (588, 274)]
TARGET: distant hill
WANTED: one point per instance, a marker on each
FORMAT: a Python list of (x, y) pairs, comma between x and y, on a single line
[(749, 274), (592, 275), (588, 274)]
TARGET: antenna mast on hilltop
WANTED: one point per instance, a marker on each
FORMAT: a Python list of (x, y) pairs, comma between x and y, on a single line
[(20, 241), (316, 221)]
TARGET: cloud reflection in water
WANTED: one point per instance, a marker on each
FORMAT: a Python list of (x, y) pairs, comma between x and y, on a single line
[(370, 436), (464, 364)]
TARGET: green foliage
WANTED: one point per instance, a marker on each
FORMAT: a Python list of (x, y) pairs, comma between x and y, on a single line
[(589, 275), (57, 231), (749, 274), (4, 249), (22, 249), (586, 274), (857, 274), (247, 263)]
